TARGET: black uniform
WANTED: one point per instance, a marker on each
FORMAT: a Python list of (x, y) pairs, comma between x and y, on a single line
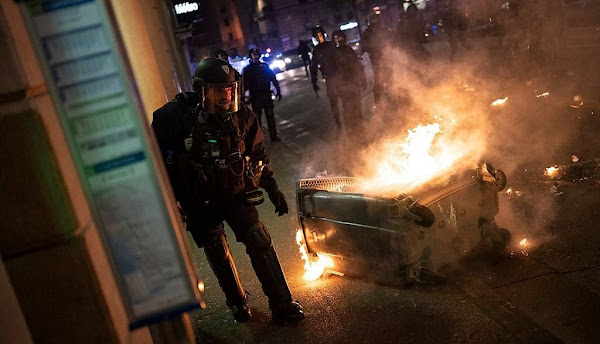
[(344, 76), (347, 83), (304, 51), (456, 27), (324, 60), (212, 162), (257, 80), (412, 36), (373, 42)]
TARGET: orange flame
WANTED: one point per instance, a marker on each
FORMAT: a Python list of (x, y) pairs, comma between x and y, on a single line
[(545, 94), (551, 171), (426, 152), (499, 102), (313, 269)]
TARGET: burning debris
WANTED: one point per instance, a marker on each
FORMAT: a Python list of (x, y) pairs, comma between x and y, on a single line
[(577, 171), (523, 244), (552, 171), (543, 95), (510, 192), (577, 102), (499, 102)]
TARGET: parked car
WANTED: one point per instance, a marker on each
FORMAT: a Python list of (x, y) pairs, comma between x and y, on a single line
[(287, 60)]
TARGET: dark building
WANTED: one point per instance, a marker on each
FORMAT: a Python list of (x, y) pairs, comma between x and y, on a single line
[(280, 24), (205, 26), (237, 25)]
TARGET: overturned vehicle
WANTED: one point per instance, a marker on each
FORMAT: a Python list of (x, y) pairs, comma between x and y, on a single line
[(402, 239)]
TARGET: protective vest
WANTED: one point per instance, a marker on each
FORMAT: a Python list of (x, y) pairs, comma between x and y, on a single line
[(208, 156)]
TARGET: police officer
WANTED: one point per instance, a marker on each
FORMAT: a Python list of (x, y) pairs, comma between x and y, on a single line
[(257, 80), (323, 60), (215, 156), (348, 81), (373, 41), (457, 24), (304, 51), (221, 54)]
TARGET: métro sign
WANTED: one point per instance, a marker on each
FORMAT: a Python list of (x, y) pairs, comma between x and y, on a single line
[(186, 7), (187, 12)]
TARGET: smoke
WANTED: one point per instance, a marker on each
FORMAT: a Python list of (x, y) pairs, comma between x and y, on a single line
[(418, 94), (540, 124), (529, 131)]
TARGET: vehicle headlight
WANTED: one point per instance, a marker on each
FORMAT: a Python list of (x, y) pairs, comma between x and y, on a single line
[(277, 64), (287, 60)]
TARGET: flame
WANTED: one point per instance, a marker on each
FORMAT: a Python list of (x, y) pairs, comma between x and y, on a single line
[(551, 171), (500, 101), (545, 94), (313, 269), (426, 152)]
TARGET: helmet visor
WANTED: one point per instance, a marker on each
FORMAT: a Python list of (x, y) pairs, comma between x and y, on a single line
[(221, 98)]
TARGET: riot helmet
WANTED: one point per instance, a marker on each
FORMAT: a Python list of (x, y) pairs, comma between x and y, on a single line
[(221, 54), (254, 54), (319, 34), (339, 37), (219, 86)]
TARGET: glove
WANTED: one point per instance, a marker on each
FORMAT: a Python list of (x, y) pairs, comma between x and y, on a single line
[(278, 95), (278, 200)]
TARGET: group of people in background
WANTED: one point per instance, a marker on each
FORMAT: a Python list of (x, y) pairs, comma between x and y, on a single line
[(341, 68)]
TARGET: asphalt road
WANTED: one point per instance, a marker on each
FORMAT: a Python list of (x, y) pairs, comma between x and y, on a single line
[(544, 292)]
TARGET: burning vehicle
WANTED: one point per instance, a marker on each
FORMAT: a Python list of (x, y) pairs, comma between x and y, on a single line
[(398, 239)]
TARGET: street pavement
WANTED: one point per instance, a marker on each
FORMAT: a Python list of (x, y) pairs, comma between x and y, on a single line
[(545, 291)]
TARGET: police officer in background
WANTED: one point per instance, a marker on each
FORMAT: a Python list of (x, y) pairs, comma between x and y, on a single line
[(257, 81), (373, 42), (323, 60), (221, 54), (304, 51), (214, 152), (348, 81)]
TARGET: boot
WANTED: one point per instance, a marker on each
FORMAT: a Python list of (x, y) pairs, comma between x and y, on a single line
[(221, 262), (287, 313)]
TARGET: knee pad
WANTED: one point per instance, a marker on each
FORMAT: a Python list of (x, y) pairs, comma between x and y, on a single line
[(258, 238)]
